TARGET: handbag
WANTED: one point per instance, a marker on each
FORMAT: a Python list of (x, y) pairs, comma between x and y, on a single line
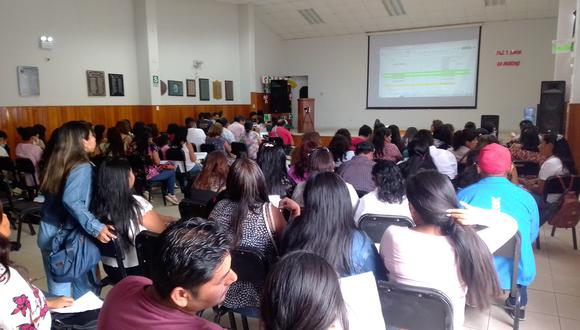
[(73, 255)]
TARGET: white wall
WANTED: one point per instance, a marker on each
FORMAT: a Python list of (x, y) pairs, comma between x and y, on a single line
[(336, 69), (198, 30), (270, 54), (89, 35)]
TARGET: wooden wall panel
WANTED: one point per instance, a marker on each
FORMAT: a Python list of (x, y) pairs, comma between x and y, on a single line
[(258, 103), (54, 116), (573, 131)]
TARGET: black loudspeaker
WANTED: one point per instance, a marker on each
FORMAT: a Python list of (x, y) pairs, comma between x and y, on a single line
[(280, 97), (490, 120), (551, 111), (304, 92)]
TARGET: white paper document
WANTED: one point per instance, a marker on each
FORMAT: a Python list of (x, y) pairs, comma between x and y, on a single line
[(361, 297), (87, 302)]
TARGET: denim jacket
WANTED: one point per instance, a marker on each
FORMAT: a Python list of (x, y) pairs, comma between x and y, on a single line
[(365, 257), (71, 209)]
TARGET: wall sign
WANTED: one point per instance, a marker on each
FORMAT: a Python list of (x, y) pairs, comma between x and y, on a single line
[(514, 54)]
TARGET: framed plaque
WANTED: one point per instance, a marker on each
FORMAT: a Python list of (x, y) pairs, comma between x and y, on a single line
[(28, 82), (217, 89), (204, 89), (190, 86), (229, 86), (96, 83), (175, 88), (116, 87)]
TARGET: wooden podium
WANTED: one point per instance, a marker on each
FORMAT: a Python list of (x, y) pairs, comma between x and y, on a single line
[(305, 115)]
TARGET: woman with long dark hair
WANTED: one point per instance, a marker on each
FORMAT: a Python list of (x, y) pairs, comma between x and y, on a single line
[(313, 301), (340, 147), (396, 137), (214, 173), (527, 148), (67, 183), (443, 251), (114, 203), (326, 228), (251, 221), (389, 196), (114, 147), (272, 161), (419, 159), (180, 142), (300, 170), (384, 149), (307, 137)]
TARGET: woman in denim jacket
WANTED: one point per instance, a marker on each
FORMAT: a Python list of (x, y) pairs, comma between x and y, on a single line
[(67, 184), (326, 228)]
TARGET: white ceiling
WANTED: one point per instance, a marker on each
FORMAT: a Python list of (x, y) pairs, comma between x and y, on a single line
[(358, 16)]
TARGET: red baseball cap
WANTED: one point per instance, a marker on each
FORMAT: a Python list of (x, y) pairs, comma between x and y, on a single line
[(495, 159)]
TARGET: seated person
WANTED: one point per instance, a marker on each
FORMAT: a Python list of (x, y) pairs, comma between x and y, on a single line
[(313, 301), (389, 196), (325, 227), (527, 148), (193, 273), (364, 133), (358, 170), (321, 161), (280, 131), (114, 203), (443, 251), (23, 304), (384, 149)]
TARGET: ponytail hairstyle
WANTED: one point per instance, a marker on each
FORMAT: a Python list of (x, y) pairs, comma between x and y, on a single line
[(379, 140), (431, 194)]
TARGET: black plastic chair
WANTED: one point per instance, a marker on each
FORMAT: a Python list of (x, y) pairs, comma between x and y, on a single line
[(19, 211), (197, 205), (512, 250), (417, 308), (376, 224), (147, 246), (24, 166), (206, 147), (251, 266), (559, 185), (239, 148), (113, 250), (527, 168)]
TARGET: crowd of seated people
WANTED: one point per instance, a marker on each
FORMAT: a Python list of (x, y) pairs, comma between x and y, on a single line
[(300, 212)]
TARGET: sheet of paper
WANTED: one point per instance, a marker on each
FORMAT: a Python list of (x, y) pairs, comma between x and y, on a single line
[(87, 302), (201, 155), (361, 296), (274, 199)]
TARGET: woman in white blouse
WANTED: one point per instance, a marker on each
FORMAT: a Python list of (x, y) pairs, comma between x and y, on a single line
[(443, 251)]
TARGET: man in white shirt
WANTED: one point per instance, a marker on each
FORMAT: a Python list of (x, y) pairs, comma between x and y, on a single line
[(226, 133), (194, 135), (237, 127)]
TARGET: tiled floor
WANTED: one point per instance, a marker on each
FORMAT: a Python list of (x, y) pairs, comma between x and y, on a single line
[(554, 297)]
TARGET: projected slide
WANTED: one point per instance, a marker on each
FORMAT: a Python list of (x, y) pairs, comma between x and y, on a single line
[(437, 69), (426, 69)]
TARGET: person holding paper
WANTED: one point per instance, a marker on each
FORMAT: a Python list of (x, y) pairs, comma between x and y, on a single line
[(23, 304)]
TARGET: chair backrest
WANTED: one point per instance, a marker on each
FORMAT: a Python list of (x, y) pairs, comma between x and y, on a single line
[(512, 250), (206, 147), (376, 224), (527, 168), (198, 207), (176, 155), (249, 264), (147, 246), (416, 308), (361, 193), (7, 164), (25, 165), (554, 186), (238, 148), (114, 250)]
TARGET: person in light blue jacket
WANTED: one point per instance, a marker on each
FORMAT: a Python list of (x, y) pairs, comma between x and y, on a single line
[(495, 191), (67, 183)]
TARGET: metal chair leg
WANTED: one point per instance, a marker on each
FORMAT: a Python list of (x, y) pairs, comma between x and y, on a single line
[(233, 324), (553, 230), (245, 322), (538, 242), (574, 238)]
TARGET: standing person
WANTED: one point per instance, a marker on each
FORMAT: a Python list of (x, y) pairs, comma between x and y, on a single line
[(194, 135), (237, 127), (495, 192), (252, 140), (28, 148), (67, 186)]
